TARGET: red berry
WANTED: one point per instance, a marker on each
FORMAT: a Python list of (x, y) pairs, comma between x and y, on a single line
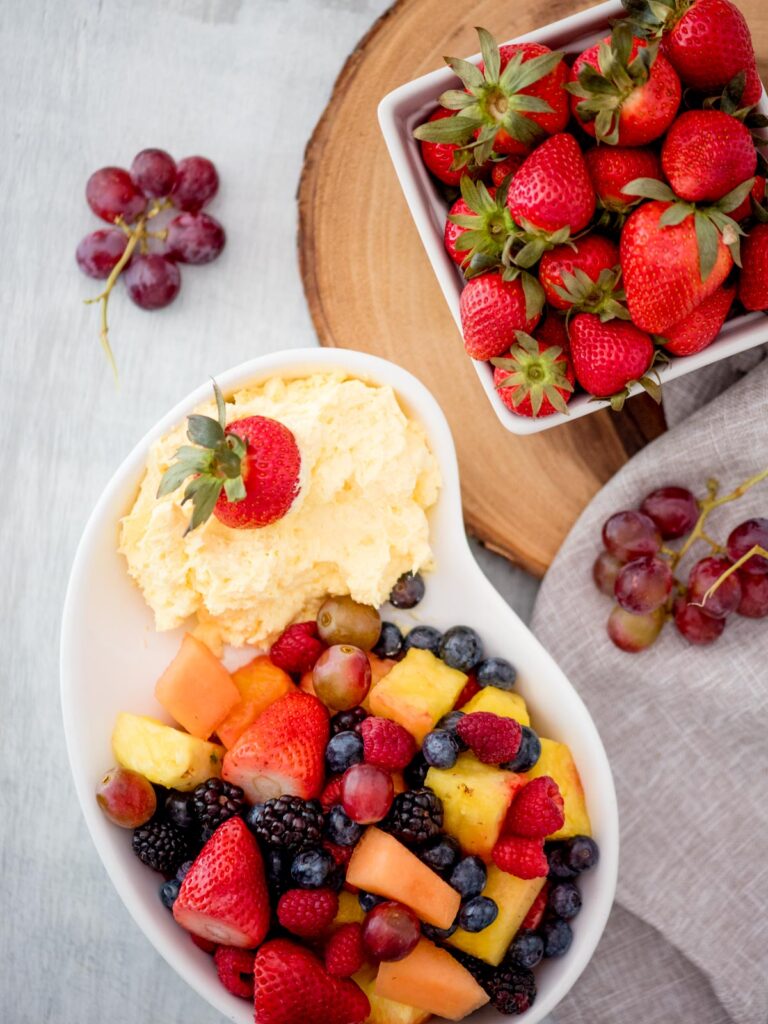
[(111, 193), (154, 172), (754, 596), (194, 238), (643, 585), (152, 281), (367, 793), (695, 625), (341, 854), (206, 945), (307, 912), (537, 810), (535, 915), (492, 739), (631, 534), (332, 793), (235, 969), (391, 931), (674, 510), (511, 165), (386, 744), (524, 858), (344, 953), (196, 183), (753, 532), (99, 253), (297, 648), (704, 574), (471, 687), (438, 156)]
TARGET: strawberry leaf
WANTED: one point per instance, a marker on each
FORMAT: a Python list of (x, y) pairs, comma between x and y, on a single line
[(676, 214), (456, 99), (526, 73), (491, 56), (534, 296), (470, 75), (458, 129), (708, 241), (735, 198), (650, 188)]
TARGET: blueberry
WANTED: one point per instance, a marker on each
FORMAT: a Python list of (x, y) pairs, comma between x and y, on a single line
[(449, 723), (441, 854), (557, 936), (348, 721), (312, 869), (556, 858), (343, 750), (275, 867), (183, 871), (469, 877), (526, 949), (425, 638), (169, 891), (341, 829), (368, 900), (408, 590), (461, 648), (496, 672), (440, 749), (439, 934), (390, 642), (528, 752), (564, 900), (178, 809), (478, 913), (581, 853), (415, 772)]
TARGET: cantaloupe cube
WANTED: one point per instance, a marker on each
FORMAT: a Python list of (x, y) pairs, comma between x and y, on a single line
[(476, 798), (386, 1011), (417, 692), (432, 980), (504, 703), (380, 667), (260, 683), (514, 898), (382, 865), (165, 756), (557, 761), (196, 690)]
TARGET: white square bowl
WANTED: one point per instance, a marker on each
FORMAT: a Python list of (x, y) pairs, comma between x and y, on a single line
[(409, 105)]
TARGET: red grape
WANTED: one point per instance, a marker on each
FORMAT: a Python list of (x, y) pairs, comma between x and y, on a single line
[(633, 633), (673, 509), (367, 793), (754, 596), (99, 253), (111, 193), (727, 596), (743, 538), (604, 572), (342, 677), (194, 238), (196, 183), (391, 931), (154, 172), (152, 281), (629, 535), (695, 625), (126, 797), (644, 585)]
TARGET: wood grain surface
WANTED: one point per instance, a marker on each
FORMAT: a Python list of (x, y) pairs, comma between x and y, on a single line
[(369, 284)]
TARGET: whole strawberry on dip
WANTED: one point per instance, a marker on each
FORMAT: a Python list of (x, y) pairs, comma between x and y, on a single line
[(255, 509)]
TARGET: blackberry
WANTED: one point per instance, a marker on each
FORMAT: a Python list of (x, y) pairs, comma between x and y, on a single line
[(214, 802), (169, 891), (528, 753), (341, 829), (496, 672), (161, 846), (482, 972), (557, 936), (440, 748), (461, 648), (348, 721), (564, 900), (408, 590), (369, 900), (525, 950), (415, 772), (425, 638), (441, 854), (178, 809), (513, 990), (469, 877), (343, 750), (415, 817), (478, 913), (312, 869), (287, 823), (390, 642)]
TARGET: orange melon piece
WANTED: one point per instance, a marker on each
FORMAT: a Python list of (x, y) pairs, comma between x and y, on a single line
[(430, 979), (196, 689), (382, 865), (260, 684), (386, 1011), (380, 667)]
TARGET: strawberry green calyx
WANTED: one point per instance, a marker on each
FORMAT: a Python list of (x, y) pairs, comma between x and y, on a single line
[(493, 101), (650, 382), (213, 460), (536, 373), (652, 18), (730, 101), (602, 297), (489, 227)]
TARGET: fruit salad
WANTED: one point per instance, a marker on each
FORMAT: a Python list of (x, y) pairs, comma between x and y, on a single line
[(359, 825)]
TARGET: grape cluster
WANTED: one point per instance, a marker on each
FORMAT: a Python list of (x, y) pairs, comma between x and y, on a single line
[(148, 259), (637, 568)]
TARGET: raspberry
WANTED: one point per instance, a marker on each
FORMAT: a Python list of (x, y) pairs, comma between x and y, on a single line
[(235, 970), (297, 648), (537, 810), (341, 854), (535, 914), (386, 744), (513, 990), (344, 955), (205, 944), (492, 739), (523, 858), (307, 912), (332, 793), (471, 687)]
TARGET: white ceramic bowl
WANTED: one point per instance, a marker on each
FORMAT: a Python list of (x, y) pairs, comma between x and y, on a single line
[(111, 657), (406, 107)]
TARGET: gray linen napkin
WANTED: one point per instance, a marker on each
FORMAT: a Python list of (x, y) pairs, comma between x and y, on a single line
[(686, 730)]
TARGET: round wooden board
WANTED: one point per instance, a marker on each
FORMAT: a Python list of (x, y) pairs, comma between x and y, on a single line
[(369, 284)]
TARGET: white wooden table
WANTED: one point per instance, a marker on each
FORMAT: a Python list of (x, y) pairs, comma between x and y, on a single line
[(86, 84)]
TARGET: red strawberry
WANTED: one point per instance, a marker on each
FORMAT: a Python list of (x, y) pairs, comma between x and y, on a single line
[(535, 915), (386, 744), (205, 944), (591, 255), (224, 895), (307, 912), (753, 286), (235, 969), (491, 738), (537, 810), (753, 88), (283, 752), (511, 165), (524, 858), (552, 190), (534, 378), (297, 648), (662, 269), (439, 156), (709, 44), (492, 310), (552, 331), (246, 473), (700, 328), (471, 687), (621, 94), (292, 987), (453, 232), (344, 952), (757, 194), (706, 154), (479, 224), (608, 356), (613, 167), (331, 794)]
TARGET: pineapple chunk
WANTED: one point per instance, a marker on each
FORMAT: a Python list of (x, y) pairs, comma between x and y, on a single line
[(514, 897), (417, 692), (349, 912), (165, 756), (386, 1011), (499, 702), (476, 798), (557, 761)]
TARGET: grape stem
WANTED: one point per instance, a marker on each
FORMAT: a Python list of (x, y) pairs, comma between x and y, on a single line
[(755, 550)]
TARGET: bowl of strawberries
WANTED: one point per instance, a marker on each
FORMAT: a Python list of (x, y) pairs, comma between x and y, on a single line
[(591, 198)]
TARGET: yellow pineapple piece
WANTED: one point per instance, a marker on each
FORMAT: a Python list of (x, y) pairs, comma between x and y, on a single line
[(476, 798), (386, 1011), (557, 761), (417, 692), (349, 912), (514, 897), (503, 703), (165, 756)]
